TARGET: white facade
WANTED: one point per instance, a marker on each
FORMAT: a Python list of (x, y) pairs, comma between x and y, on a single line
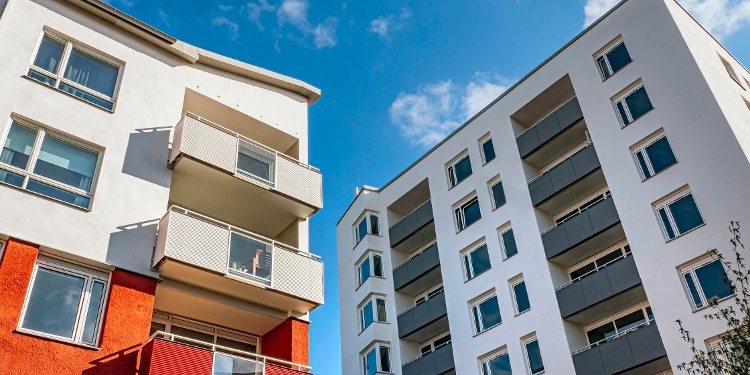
[(702, 111)]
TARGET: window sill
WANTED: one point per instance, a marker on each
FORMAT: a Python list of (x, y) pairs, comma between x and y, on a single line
[(371, 277), (363, 240), (731, 296), (114, 104), (686, 233), (623, 126), (371, 324), (479, 333), (55, 338), (658, 173), (607, 78), (522, 312)]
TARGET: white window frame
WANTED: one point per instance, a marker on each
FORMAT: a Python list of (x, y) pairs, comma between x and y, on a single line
[(428, 294), (450, 169), (643, 306), (621, 99), (665, 203), (371, 299), (525, 341), (623, 246), (170, 320), (690, 268), (485, 360), (70, 44), (490, 184), (367, 216), (260, 154), (466, 259), (712, 345), (502, 230), (474, 304), (604, 55), (482, 141), (28, 173), (370, 255), (515, 281), (2, 249), (379, 366), (640, 147), (431, 343), (582, 205), (90, 276), (459, 212)]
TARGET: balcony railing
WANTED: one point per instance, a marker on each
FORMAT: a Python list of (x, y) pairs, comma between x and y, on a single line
[(411, 223), (205, 242), (245, 158), (438, 361), (166, 350), (549, 127), (584, 223)]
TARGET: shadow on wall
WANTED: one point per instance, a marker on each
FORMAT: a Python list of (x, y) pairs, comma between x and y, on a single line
[(122, 362), (132, 246), (147, 155)]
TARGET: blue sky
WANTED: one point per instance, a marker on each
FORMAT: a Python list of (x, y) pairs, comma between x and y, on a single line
[(396, 76)]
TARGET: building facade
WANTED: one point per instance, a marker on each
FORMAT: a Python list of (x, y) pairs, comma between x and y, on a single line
[(155, 202), (565, 227)]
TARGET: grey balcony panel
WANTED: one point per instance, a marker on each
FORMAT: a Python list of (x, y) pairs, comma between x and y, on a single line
[(555, 241), (547, 128), (599, 286), (411, 224), (585, 161), (637, 349), (437, 362), (541, 188), (528, 142), (563, 175), (578, 229), (422, 315), (603, 215), (416, 267), (569, 114)]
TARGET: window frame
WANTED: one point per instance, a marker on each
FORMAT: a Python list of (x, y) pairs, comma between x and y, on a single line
[(665, 203), (427, 294), (90, 277), (366, 216), (262, 155), (641, 147), (474, 308), (168, 320), (450, 169), (482, 142), (468, 265), (484, 361), (490, 185), (603, 55), (642, 306), (42, 132), (624, 250), (513, 283), (731, 72), (525, 342), (372, 299), (459, 212), (369, 257), (503, 249), (377, 347), (69, 44), (431, 343), (581, 206), (622, 100), (690, 268)]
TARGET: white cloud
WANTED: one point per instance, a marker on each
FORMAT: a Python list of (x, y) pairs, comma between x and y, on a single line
[(379, 26), (719, 17), (294, 12), (231, 26), (256, 10), (435, 110), (383, 26)]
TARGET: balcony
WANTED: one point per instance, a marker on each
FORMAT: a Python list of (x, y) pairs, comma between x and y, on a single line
[(592, 229), (438, 362), (638, 351), (560, 179), (605, 290), (198, 250), (424, 320), (213, 166), (549, 127), (418, 273), (414, 229), (169, 354)]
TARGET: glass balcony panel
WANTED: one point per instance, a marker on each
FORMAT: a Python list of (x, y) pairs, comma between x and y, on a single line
[(230, 365)]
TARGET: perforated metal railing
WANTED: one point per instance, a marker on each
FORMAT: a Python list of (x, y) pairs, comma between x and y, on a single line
[(608, 339)]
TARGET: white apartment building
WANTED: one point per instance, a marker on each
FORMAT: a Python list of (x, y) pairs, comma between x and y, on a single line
[(155, 202), (565, 227)]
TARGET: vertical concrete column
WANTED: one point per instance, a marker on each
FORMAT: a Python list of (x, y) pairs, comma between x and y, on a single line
[(288, 341)]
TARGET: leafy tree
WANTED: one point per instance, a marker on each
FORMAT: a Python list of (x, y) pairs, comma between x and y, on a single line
[(733, 356)]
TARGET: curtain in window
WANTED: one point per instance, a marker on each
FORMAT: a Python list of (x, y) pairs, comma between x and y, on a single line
[(48, 57), (92, 73)]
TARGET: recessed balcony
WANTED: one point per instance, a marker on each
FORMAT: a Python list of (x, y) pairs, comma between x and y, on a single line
[(568, 179), (414, 229), (418, 273), (424, 320), (549, 127), (213, 166), (439, 362), (198, 250)]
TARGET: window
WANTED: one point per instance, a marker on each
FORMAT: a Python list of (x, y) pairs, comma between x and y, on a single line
[(430, 293), (582, 206), (373, 310), (520, 295), (497, 363), (37, 160), (507, 241), (678, 215), (486, 313), (706, 281), (256, 163), (467, 213), (633, 105), (65, 302), (533, 354), (372, 265), (377, 359), (459, 170), (487, 149), (598, 261), (368, 224), (497, 193), (725, 356), (76, 70), (653, 156), (433, 344), (476, 261), (191, 330), (250, 258), (730, 71), (613, 59), (614, 326)]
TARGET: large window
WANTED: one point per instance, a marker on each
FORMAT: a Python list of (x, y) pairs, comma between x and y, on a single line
[(458, 170), (613, 59), (497, 363), (706, 281), (633, 105), (496, 192), (202, 334), (476, 261), (256, 163), (371, 265), (533, 354), (678, 214), (65, 302), (598, 261), (372, 310), (653, 156), (76, 70), (434, 343), (377, 359), (37, 160), (507, 241), (250, 258), (487, 149), (610, 328), (467, 213), (520, 295), (367, 224), (486, 313)]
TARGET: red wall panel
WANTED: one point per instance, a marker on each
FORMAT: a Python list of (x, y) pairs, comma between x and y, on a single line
[(126, 324), (170, 358), (288, 341), (277, 370)]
